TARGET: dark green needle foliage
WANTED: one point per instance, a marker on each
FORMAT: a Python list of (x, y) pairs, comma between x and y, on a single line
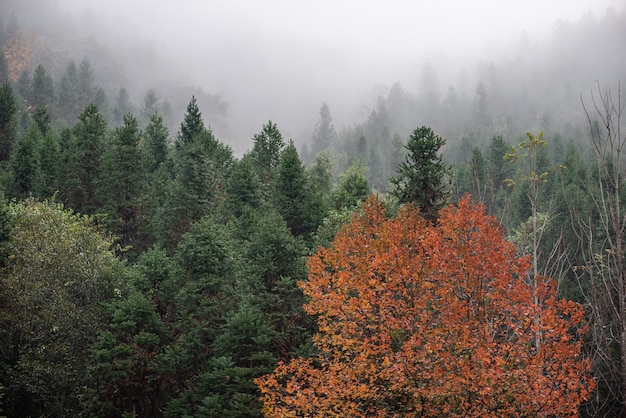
[(422, 177)]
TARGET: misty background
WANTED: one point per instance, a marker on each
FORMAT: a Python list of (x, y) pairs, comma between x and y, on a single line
[(249, 62)]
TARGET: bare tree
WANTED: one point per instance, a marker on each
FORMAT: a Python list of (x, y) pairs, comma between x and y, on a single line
[(602, 275)]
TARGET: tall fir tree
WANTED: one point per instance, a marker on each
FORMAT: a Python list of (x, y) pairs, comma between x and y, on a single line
[(26, 165), (293, 196), (266, 152), (122, 181), (324, 135), (8, 121), (42, 89), (89, 135), (156, 138), (421, 177)]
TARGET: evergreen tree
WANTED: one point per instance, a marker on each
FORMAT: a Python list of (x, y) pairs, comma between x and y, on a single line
[(26, 165), (122, 180), (292, 194), (69, 104), (421, 177), (89, 135), (127, 366), (123, 106), (243, 188), (86, 88), (8, 123), (4, 67), (320, 175), (201, 166), (156, 137), (353, 188), (49, 157), (266, 152), (192, 126), (151, 106), (324, 135), (42, 90)]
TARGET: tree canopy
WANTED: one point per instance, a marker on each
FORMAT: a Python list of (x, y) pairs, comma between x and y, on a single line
[(424, 320)]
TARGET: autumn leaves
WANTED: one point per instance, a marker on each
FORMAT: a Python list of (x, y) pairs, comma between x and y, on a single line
[(426, 319)]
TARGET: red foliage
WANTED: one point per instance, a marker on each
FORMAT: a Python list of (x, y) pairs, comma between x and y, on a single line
[(431, 320)]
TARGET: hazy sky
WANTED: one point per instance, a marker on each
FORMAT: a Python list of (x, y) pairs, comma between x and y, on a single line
[(280, 59)]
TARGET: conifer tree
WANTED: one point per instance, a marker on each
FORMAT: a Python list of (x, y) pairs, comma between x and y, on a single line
[(122, 179), (26, 165), (8, 123), (325, 133), (156, 136), (292, 194), (89, 135), (421, 177), (243, 188), (266, 152), (42, 90)]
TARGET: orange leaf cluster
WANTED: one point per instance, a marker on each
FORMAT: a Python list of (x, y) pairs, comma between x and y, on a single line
[(18, 52), (417, 319)]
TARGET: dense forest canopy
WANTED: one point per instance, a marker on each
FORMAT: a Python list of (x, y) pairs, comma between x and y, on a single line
[(449, 242)]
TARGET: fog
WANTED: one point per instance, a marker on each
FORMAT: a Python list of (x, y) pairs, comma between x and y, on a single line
[(281, 59)]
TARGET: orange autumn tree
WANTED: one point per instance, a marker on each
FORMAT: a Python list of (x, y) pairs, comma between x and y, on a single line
[(422, 319)]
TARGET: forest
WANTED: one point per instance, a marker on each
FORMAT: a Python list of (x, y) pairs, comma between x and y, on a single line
[(457, 254)]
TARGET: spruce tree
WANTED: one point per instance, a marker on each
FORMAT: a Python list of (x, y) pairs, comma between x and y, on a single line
[(122, 179), (325, 134), (89, 135), (26, 165), (192, 126), (293, 196), (421, 177), (156, 137), (266, 152), (42, 90), (8, 123)]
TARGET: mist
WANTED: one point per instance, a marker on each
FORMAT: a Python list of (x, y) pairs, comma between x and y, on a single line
[(279, 60)]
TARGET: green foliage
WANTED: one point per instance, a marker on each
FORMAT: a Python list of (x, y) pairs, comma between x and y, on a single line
[(201, 166), (243, 188), (421, 178), (26, 165), (85, 155), (353, 188), (293, 197), (122, 181), (266, 152), (325, 134), (126, 362), (156, 136), (42, 90), (192, 126), (8, 127), (58, 274)]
